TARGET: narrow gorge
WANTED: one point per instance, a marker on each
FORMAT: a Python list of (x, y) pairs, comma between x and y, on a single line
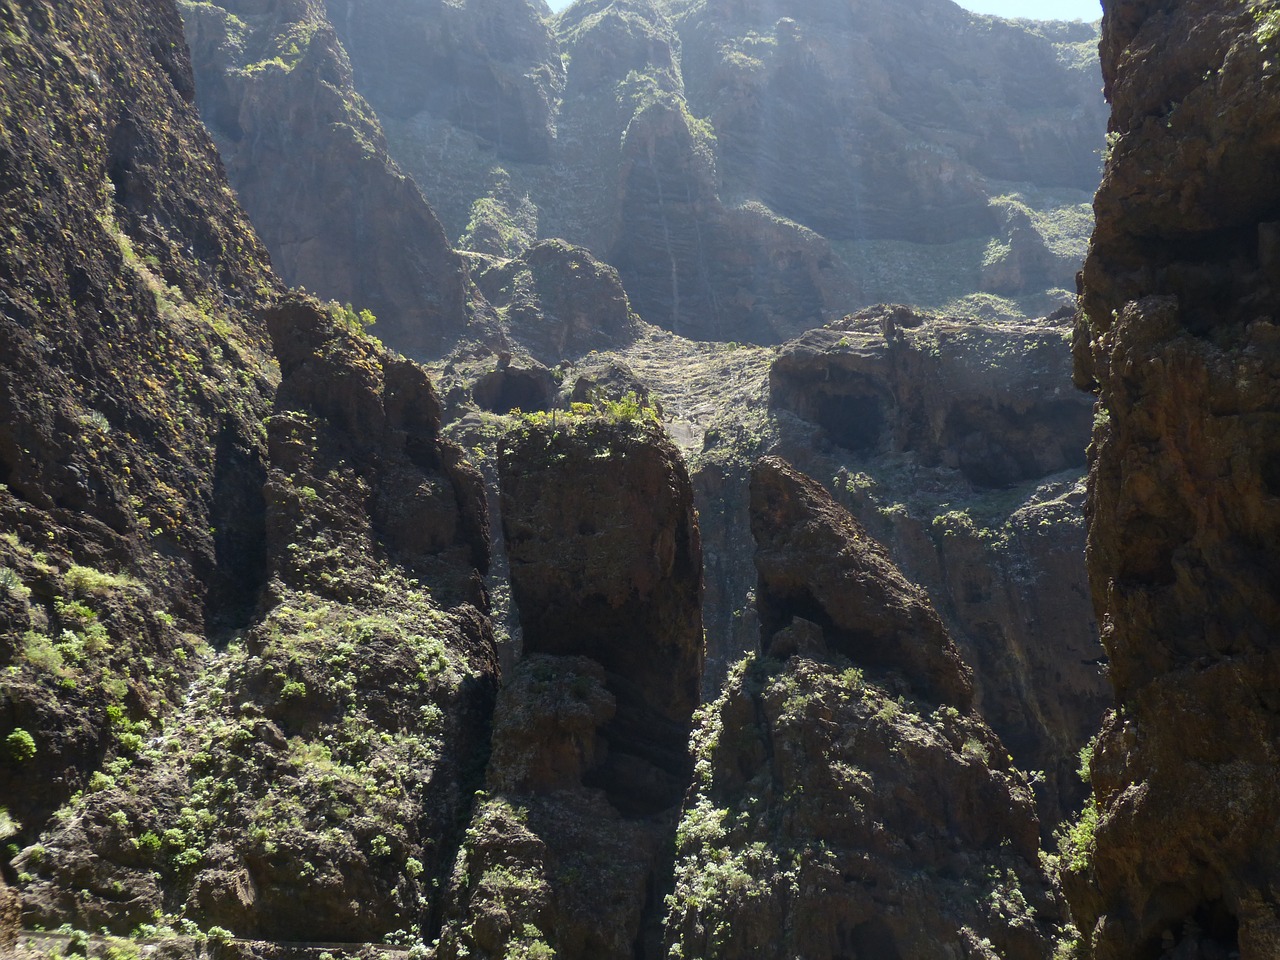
[(675, 479)]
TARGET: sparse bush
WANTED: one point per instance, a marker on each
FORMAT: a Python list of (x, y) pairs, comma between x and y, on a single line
[(20, 746)]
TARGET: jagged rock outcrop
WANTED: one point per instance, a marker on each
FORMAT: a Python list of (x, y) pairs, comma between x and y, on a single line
[(496, 70), (1178, 335), (588, 760), (548, 860), (988, 400), (308, 158), (559, 302), (606, 563), (133, 382), (958, 444), (829, 819), (312, 787), (818, 565)]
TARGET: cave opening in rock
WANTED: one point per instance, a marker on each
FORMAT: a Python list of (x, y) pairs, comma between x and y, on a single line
[(502, 391), (853, 421), (997, 447), (1211, 932)]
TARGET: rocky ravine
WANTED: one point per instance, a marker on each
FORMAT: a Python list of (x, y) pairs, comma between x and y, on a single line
[(1177, 334), (869, 179), (250, 669), (846, 800)]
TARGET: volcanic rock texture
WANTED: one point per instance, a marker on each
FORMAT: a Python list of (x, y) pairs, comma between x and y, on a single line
[(133, 382), (1178, 336), (589, 762), (308, 158), (842, 804)]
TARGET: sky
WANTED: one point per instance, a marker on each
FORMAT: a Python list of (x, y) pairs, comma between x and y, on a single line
[(1037, 9)]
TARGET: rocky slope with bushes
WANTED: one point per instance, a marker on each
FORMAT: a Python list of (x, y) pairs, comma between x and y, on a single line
[(300, 645), (312, 785), (134, 379), (847, 802), (1177, 855)]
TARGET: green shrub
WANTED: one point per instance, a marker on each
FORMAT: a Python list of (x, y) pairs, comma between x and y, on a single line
[(88, 582), (20, 745)]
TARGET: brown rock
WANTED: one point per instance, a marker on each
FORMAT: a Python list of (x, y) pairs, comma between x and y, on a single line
[(606, 564), (1177, 333), (991, 400), (829, 819), (560, 302), (133, 382), (10, 913), (315, 784), (547, 859), (816, 563)]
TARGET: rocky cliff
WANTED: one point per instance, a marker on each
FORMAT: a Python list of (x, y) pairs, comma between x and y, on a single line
[(250, 670), (589, 762), (838, 809), (727, 219), (364, 686), (1177, 335), (134, 378), (307, 156)]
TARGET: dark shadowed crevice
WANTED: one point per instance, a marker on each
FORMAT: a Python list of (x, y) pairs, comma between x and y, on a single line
[(238, 516), (505, 390)]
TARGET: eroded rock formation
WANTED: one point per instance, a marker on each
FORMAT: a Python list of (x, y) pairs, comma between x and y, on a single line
[(366, 685), (828, 818), (307, 156), (1178, 335), (817, 564), (990, 400), (588, 763), (606, 563)]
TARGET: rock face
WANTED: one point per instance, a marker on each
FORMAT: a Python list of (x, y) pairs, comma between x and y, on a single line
[(818, 565), (988, 400), (606, 563), (308, 158), (1177, 333), (559, 302), (827, 818), (358, 689), (727, 218), (588, 762), (959, 444), (133, 381)]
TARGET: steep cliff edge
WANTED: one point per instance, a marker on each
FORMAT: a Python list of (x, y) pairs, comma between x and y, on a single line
[(800, 163), (134, 377), (308, 159), (1177, 333), (571, 847)]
